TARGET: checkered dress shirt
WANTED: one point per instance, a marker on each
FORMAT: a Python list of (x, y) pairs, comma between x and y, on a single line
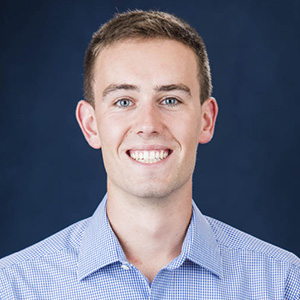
[(86, 261)]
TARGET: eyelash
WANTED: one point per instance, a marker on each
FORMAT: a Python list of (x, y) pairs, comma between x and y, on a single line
[(177, 102), (172, 98), (117, 103)]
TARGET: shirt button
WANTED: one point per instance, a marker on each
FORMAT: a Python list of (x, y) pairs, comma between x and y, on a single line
[(124, 267)]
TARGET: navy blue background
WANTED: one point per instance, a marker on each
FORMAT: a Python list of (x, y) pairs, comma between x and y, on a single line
[(248, 176)]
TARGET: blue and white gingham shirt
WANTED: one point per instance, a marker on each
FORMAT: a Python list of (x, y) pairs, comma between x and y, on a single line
[(86, 261)]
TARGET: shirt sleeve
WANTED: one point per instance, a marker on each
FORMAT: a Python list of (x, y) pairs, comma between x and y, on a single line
[(292, 286), (5, 290)]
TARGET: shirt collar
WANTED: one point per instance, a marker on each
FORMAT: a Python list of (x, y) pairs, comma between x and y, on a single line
[(100, 247), (204, 249)]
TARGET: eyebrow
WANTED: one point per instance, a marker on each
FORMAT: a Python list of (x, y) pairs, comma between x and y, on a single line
[(174, 87), (161, 88), (115, 87)]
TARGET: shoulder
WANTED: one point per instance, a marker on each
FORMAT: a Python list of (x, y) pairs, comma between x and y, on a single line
[(240, 243), (67, 239), (254, 267)]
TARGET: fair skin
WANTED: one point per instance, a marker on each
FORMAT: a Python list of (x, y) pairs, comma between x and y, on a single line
[(148, 121)]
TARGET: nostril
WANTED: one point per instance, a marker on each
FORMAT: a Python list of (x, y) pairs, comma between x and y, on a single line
[(147, 131)]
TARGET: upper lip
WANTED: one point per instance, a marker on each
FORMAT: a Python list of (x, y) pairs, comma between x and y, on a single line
[(149, 147)]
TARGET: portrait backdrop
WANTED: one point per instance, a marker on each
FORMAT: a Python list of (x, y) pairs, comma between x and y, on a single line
[(247, 176)]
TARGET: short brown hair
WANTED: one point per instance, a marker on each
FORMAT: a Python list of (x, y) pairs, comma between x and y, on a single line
[(140, 24)]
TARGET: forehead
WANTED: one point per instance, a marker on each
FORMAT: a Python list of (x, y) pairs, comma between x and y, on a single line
[(152, 61)]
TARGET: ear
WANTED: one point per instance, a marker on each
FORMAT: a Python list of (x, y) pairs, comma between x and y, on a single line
[(209, 112), (85, 115)]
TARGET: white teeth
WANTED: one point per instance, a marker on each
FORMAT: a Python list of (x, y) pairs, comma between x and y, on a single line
[(148, 157), (152, 155)]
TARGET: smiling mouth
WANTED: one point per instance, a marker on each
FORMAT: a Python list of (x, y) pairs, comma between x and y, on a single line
[(149, 157)]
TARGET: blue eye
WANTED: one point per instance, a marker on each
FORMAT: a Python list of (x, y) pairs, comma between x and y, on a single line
[(123, 103), (170, 101)]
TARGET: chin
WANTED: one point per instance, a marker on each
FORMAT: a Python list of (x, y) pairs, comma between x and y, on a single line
[(153, 192)]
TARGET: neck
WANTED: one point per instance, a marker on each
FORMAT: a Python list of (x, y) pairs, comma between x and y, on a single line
[(150, 231)]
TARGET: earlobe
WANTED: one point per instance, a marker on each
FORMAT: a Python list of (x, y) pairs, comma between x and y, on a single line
[(85, 115), (209, 112)]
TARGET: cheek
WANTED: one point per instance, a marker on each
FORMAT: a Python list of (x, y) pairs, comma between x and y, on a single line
[(187, 131), (112, 131)]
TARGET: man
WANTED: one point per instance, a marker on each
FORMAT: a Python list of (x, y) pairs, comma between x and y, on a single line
[(147, 106)]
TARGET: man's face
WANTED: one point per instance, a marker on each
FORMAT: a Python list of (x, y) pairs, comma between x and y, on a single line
[(148, 118)]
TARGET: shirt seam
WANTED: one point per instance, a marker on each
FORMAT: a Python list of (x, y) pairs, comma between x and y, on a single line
[(282, 260), (36, 258), (256, 251)]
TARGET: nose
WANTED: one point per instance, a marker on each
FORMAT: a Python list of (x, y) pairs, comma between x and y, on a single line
[(148, 121)]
